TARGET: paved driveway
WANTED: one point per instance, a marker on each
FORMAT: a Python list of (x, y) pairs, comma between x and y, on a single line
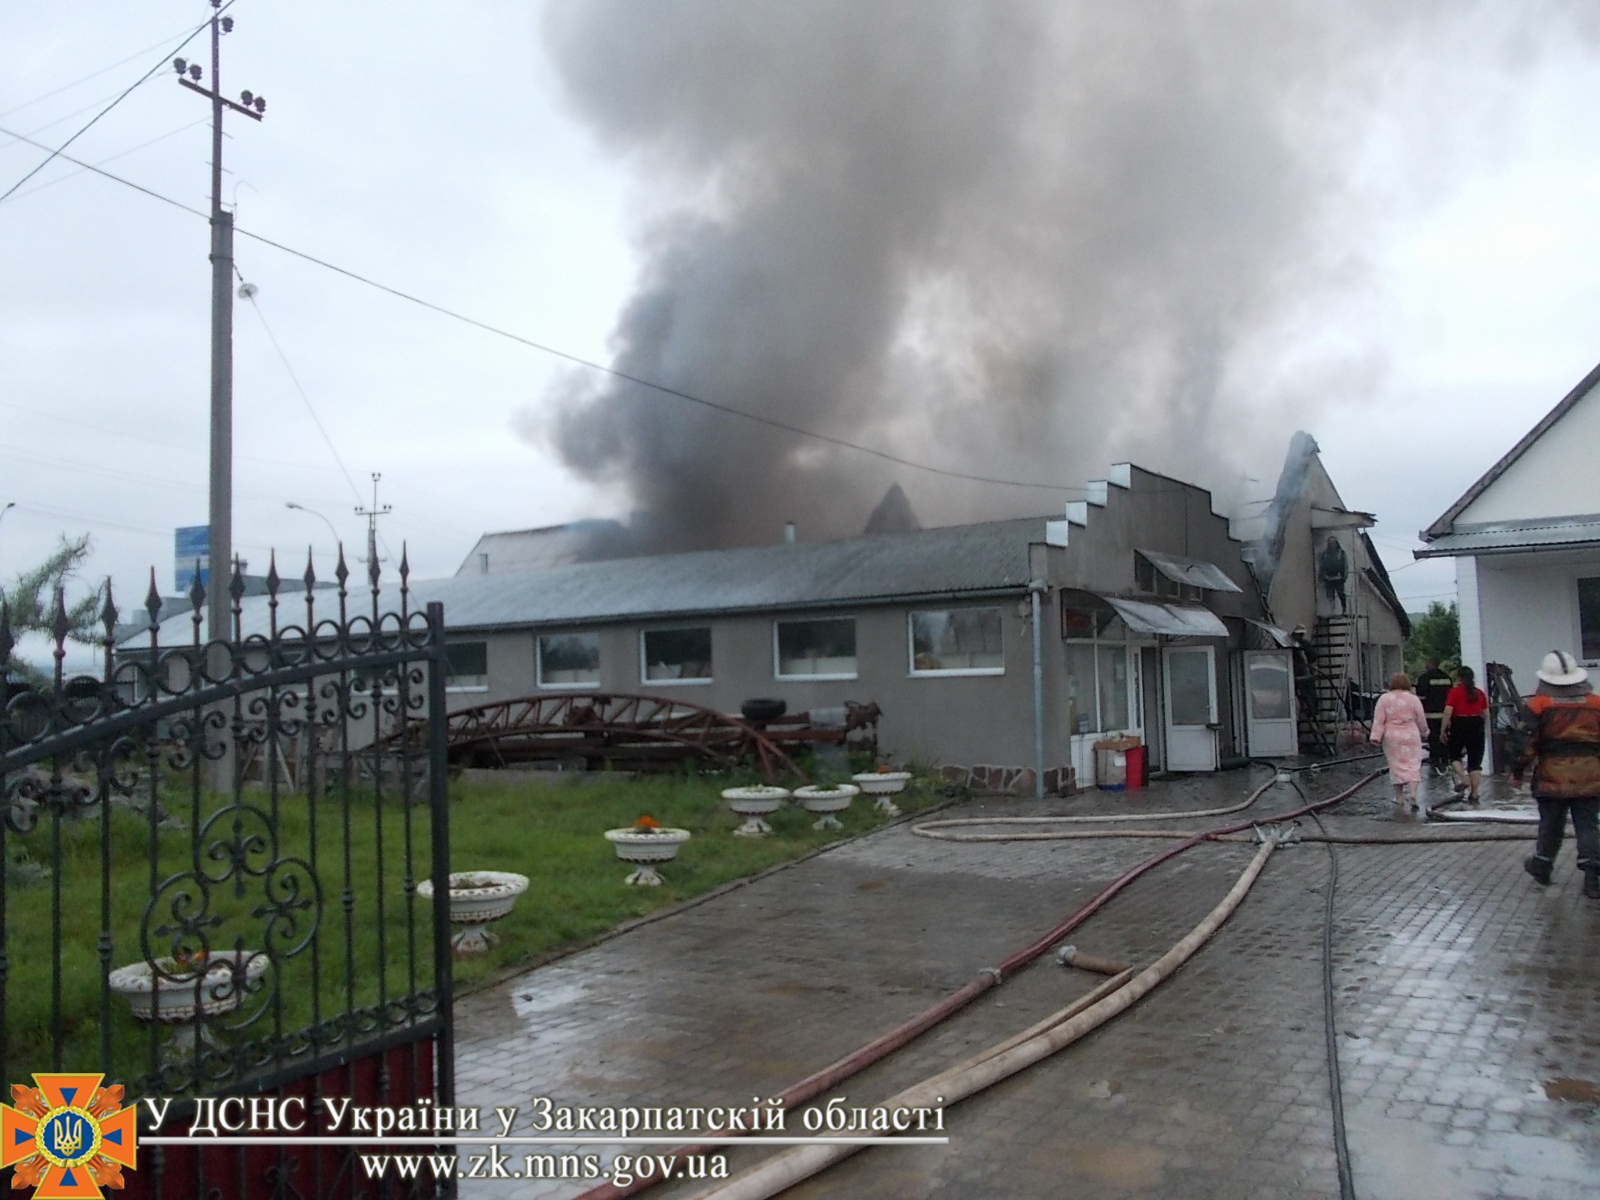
[(1467, 1000)]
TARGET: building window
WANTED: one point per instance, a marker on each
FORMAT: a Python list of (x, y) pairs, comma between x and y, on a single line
[(681, 655), (569, 660), (1097, 669), (957, 641), (1149, 579), (815, 649), (466, 666), (1589, 618)]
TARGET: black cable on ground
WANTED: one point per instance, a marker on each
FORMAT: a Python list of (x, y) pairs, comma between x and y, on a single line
[(1341, 1143)]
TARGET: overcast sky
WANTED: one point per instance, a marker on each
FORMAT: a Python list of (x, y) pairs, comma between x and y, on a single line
[(470, 154)]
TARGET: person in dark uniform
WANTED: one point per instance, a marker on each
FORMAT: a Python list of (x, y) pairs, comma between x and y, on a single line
[(1433, 687), (1558, 748), (1333, 568)]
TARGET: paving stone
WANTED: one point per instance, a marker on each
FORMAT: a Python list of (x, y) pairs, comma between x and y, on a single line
[(1461, 990)]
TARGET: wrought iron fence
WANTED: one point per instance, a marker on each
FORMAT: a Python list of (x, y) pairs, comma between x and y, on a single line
[(212, 848)]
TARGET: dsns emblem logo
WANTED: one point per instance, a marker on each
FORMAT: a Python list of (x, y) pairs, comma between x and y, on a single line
[(67, 1137)]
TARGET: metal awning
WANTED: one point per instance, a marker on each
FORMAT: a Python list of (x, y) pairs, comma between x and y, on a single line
[(1192, 571), (1173, 620), (1283, 638)]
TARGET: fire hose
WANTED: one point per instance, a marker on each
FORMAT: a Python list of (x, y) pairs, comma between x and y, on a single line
[(869, 1054), (999, 1062), (881, 1047)]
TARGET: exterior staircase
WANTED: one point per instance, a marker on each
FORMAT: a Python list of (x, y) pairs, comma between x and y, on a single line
[(1332, 662)]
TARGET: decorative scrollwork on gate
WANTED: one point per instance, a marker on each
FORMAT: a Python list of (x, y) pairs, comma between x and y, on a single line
[(240, 785)]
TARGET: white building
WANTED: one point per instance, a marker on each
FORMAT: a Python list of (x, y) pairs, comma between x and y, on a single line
[(1526, 540)]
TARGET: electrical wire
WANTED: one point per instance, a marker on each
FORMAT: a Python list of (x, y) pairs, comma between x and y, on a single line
[(56, 152), (121, 154), (295, 379), (578, 360), (1341, 1139), (65, 87)]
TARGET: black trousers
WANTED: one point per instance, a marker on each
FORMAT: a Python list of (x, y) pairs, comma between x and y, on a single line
[(1438, 755), (1585, 828)]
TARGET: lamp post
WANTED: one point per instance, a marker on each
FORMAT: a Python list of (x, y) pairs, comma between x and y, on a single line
[(337, 541)]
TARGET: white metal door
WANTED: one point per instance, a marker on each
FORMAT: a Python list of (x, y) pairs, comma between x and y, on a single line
[(1191, 708), (1269, 703)]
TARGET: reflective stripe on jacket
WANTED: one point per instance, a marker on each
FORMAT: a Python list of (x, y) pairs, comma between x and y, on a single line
[(1560, 740)]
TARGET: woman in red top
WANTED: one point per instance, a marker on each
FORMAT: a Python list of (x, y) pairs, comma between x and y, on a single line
[(1462, 729)]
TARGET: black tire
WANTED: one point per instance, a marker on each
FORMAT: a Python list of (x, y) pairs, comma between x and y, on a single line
[(763, 709)]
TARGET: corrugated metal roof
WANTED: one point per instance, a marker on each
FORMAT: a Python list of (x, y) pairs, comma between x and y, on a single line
[(967, 558), (1193, 571), (979, 559), (1505, 537)]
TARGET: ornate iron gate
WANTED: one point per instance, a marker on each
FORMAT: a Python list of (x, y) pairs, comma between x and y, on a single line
[(211, 855)]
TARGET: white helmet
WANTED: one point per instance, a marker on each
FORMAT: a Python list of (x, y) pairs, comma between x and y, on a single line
[(1560, 668)]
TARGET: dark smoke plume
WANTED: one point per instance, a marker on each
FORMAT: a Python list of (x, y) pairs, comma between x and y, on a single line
[(1020, 238)]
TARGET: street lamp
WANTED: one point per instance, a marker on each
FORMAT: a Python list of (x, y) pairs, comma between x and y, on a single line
[(302, 508)]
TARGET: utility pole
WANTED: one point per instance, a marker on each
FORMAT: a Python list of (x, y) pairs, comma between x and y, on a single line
[(219, 550), (372, 514)]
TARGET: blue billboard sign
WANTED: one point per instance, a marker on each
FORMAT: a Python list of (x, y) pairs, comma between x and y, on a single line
[(191, 547)]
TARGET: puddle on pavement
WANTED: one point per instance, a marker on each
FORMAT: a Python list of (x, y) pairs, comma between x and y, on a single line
[(1572, 1091), (532, 1000)]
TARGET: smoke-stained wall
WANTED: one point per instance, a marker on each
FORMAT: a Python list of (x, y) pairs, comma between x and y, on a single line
[(1018, 238)]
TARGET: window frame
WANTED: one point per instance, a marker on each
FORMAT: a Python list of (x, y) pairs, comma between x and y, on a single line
[(1098, 643), (1585, 635), (693, 681), (823, 676), (538, 660), (916, 672), (450, 686)]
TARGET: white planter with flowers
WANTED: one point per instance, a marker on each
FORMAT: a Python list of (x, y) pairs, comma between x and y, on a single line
[(881, 785), (477, 898), (754, 803), (644, 845), (825, 802), (185, 993)]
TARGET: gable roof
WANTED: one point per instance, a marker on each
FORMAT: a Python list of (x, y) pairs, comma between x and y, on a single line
[(1446, 523)]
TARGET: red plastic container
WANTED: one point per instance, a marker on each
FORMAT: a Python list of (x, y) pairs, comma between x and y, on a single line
[(1136, 768)]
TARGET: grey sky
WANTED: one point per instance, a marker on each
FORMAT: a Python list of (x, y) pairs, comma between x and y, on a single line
[(1383, 231)]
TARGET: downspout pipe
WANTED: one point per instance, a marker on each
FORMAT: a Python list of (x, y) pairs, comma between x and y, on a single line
[(1036, 591)]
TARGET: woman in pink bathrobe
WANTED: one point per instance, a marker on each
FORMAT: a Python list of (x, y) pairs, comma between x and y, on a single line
[(1401, 725)]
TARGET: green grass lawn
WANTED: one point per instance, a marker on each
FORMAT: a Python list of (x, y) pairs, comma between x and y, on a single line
[(370, 947)]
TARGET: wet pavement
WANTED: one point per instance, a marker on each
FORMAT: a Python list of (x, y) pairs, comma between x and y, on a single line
[(1466, 1007)]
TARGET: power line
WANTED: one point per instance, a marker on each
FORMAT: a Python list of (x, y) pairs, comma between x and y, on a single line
[(49, 158), (690, 397), (121, 154), (92, 75), (250, 295)]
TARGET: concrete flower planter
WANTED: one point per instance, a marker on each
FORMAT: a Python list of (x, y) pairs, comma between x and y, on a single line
[(753, 803), (644, 849), (881, 785), (183, 995), (826, 802), (477, 898)]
